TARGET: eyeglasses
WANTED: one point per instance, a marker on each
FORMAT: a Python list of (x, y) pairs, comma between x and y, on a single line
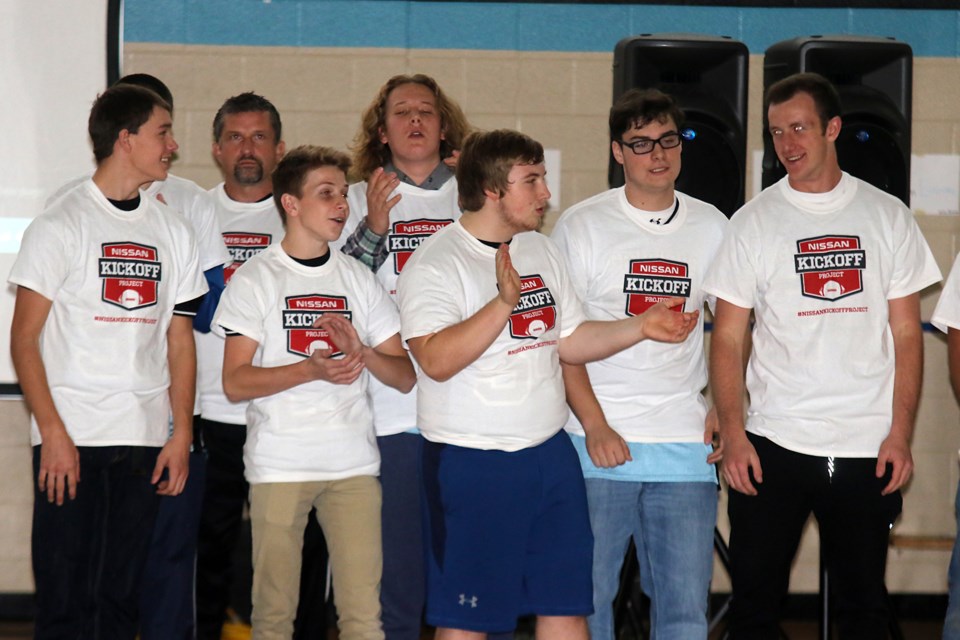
[(641, 147)]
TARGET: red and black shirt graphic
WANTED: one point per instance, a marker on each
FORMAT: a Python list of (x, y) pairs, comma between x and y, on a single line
[(405, 236), (536, 312), (830, 266), (299, 314), (654, 280), (131, 274), (242, 246)]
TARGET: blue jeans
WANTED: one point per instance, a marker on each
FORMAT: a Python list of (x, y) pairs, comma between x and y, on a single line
[(672, 527), (89, 553), (951, 626)]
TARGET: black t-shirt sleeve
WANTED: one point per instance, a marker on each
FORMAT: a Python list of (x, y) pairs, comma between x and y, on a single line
[(188, 308)]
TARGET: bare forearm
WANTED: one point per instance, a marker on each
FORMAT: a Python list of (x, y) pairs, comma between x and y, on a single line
[(29, 317), (727, 382), (581, 398), (248, 381), (907, 336), (182, 361), (446, 353), (907, 381), (392, 370), (729, 350), (32, 377), (595, 340)]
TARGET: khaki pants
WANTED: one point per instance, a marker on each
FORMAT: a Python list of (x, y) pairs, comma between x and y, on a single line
[(349, 514)]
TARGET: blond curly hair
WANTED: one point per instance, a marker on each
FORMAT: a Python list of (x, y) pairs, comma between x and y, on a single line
[(369, 152)]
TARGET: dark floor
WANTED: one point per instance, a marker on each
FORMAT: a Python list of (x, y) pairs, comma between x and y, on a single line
[(912, 630), (15, 630)]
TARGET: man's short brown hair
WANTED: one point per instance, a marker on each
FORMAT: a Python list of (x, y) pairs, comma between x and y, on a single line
[(121, 107), (291, 172), (486, 161)]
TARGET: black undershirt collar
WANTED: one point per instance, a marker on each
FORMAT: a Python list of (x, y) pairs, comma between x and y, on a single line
[(495, 245), (319, 261), (126, 205)]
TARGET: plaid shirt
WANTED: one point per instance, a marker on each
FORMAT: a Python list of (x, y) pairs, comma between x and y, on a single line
[(371, 248), (366, 246)]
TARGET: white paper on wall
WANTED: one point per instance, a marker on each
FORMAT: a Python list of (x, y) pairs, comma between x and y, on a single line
[(935, 184), (551, 161)]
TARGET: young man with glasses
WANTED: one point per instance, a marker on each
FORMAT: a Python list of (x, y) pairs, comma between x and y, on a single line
[(645, 452)]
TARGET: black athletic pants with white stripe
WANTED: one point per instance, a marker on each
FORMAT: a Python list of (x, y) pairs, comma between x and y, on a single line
[(854, 521)]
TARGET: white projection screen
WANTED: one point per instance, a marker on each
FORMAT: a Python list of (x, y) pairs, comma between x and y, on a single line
[(53, 64)]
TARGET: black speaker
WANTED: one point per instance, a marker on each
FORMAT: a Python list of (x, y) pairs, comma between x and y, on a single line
[(707, 76), (874, 77)]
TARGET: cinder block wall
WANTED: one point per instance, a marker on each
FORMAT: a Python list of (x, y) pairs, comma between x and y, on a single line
[(545, 70)]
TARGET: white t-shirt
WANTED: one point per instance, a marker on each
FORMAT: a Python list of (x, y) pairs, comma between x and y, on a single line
[(114, 278), (418, 215), (512, 396), (197, 206), (621, 264), (317, 430), (818, 270), (247, 228), (947, 313), (188, 198)]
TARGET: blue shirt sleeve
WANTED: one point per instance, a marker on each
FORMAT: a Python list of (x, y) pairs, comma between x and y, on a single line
[(201, 321)]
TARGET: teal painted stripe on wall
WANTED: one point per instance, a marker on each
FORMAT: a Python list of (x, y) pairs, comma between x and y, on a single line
[(511, 26)]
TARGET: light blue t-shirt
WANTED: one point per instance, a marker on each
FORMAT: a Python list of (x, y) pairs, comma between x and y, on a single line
[(653, 462)]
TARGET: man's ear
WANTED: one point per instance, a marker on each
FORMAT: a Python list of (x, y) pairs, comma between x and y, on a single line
[(123, 140), (834, 125), (491, 195), (617, 151), (281, 149), (290, 204)]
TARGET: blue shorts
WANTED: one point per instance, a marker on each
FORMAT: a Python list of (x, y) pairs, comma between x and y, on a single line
[(507, 534)]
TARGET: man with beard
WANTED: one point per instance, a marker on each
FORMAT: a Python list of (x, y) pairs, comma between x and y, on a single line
[(247, 145), (488, 311)]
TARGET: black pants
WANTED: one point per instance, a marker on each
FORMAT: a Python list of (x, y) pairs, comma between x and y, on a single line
[(854, 521), (89, 553), (224, 497), (167, 598)]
